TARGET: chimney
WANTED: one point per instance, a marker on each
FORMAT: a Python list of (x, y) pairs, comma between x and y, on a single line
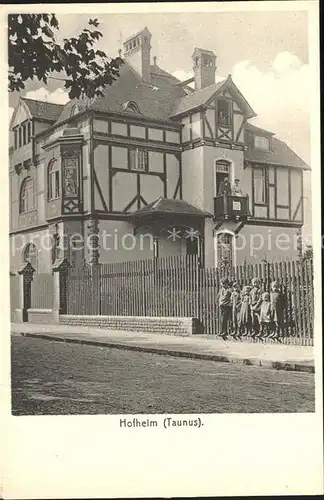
[(137, 52), (204, 66)]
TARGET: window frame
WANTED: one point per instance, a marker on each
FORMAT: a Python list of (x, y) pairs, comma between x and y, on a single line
[(23, 196), (53, 181), (132, 107), (24, 134), (15, 131), (230, 112), (29, 131), (263, 170), (137, 152), (260, 147)]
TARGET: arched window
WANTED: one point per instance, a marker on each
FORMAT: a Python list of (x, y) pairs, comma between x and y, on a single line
[(53, 180), (26, 200), (30, 255), (222, 171), (131, 106)]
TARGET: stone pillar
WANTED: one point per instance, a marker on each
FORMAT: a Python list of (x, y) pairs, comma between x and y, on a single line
[(93, 245), (26, 274), (56, 242), (93, 241), (60, 269)]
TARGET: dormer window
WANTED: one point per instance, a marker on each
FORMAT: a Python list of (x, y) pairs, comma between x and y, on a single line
[(261, 142), (76, 109), (131, 107), (224, 112)]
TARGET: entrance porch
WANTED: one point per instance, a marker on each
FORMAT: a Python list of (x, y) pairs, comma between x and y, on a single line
[(177, 227)]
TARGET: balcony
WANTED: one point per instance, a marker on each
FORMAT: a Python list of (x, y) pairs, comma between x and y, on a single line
[(233, 208)]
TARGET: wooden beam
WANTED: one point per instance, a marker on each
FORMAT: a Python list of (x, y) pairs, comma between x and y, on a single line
[(202, 121), (252, 180), (209, 127), (96, 182), (131, 203), (165, 175), (296, 210), (275, 191), (240, 130)]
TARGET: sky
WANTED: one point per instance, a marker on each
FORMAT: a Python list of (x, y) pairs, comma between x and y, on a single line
[(265, 52)]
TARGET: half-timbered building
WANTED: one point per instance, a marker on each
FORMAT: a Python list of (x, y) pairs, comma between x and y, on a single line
[(135, 174)]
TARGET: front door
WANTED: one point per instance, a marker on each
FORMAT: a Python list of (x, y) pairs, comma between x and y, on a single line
[(192, 246)]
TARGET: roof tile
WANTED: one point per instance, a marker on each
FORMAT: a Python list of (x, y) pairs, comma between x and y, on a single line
[(155, 100), (42, 109), (170, 206), (279, 154)]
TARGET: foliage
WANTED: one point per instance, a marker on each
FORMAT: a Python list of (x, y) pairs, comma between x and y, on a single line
[(308, 253), (34, 52)]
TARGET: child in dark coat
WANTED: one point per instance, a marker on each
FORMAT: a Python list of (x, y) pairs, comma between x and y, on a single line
[(245, 316), (236, 307), (224, 304)]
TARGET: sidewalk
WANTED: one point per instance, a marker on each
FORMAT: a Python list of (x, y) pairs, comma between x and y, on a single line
[(276, 356)]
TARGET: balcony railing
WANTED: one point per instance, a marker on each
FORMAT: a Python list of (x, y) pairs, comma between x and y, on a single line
[(231, 207)]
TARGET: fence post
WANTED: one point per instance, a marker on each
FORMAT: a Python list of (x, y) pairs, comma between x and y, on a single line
[(60, 268), (26, 273), (95, 289)]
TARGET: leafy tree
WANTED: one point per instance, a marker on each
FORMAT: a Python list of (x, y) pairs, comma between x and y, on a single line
[(34, 52)]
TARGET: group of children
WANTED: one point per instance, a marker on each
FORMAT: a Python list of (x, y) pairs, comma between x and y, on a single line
[(250, 311)]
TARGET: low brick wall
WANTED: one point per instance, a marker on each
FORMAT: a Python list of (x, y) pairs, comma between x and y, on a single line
[(40, 316), (149, 324)]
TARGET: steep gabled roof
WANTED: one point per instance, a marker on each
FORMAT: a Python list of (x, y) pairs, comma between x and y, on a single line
[(42, 109), (155, 100), (279, 154), (201, 97), (258, 130), (197, 99)]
